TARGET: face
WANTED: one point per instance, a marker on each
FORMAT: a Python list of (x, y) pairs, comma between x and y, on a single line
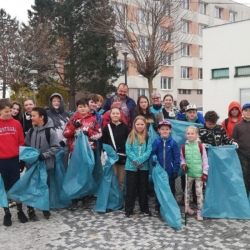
[(234, 112), (191, 114), (56, 102), (246, 113), (156, 100), (36, 119), (5, 113), (143, 103), (210, 125), (115, 115), (192, 135), (164, 131), (122, 92), (28, 106), (82, 109), (92, 105), (140, 126), (116, 104), (168, 102), (15, 110), (98, 105)]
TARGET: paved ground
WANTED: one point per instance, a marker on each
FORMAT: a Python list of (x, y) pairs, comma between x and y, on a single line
[(86, 229)]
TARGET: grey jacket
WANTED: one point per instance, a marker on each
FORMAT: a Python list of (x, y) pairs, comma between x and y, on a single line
[(38, 140)]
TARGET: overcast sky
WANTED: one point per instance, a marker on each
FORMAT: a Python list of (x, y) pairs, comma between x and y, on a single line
[(19, 8)]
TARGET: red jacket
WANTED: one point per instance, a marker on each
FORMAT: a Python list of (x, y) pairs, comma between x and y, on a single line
[(106, 118), (89, 123), (11, 137)]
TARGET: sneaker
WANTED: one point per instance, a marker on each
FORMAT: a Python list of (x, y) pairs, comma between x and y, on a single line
[(12, 203), (7, 220), (46, 214), (74, 205), (189, 211), (199, 217), (147, 213), (22, 217), (32, 215)]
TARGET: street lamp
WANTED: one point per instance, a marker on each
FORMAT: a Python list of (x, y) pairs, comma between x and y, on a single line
[(34, 87), (125, 62)]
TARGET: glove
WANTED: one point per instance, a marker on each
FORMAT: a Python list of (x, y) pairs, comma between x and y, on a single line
[(153, 163), (62, 144), (21, 166), (77, 123), (236, 144), (204, 177), (41, 157), (85, 130), (175, 175), (184, 167), (205, 145)]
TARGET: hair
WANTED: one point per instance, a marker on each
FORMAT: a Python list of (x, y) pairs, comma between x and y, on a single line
[(93, 97), (112, 110), (183, 103), (41, 112), (5, 103), (195, 129), (100, 98), (28, 99), (115, 98), (19, 115), (82, 101), (122, 84), (167, 96), (133, 134), (211, 116), (138, 109), (156, 95)]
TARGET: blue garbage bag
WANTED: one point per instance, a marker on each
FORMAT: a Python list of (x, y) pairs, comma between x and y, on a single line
[(3, 196), (56, 181), (32, 188), (78, 181), (225, 191), (98, 169), (109, 194), (169, 209)]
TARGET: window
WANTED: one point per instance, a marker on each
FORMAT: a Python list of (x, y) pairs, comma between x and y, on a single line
[(185, 49), (200, 51), (142, 16), (166, 83), (119, 10), (143, 92), (200, 74), (168, 10), (119, 38), (218, 12), (199, 92), (242, 71), (201, 27), (185, 91), (185, 26), (185, 72), (143, 42), (166, 59), (203, 8), (220, 73), (232, 16), (185, 4), (121, 65), (165, 34)]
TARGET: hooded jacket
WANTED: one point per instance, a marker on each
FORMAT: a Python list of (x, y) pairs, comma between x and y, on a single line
[(38, 140), (230, 124)]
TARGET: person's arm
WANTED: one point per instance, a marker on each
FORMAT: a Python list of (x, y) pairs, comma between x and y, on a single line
[(20, 135), (54, 146), (145, 156), (105, 135), (154, 151), (235, 134), (130, 151), (96, 132), (27, 141), (176, 158), (205, 165), (225, 139), (69, 129)]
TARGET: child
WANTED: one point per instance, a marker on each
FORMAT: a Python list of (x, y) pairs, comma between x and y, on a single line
[(93, 100), (43, 137), (191, 114), (120, 133), (241, 134), (138, 149), (28, 105), (234, 116), (195, 163), (16, 111), (11, 134), (84, 121), (167, 152)]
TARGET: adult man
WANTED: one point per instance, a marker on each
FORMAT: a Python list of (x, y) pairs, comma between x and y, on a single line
[(157, 105), (127, 103), (26, 122)]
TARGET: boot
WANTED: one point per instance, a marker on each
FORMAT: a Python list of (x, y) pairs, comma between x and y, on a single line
[(190, 211), (199, 217)]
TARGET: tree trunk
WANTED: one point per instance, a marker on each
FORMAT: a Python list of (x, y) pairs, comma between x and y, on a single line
[(72, 100), (150, 87)]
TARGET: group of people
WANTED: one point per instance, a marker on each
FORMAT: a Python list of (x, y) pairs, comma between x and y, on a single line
[(124, 125)]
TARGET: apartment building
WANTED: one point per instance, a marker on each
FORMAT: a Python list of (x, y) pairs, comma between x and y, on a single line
[(183, 76)]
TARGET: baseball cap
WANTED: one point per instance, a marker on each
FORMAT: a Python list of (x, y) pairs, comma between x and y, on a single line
[(164, 123), (247, 105), (191, 107)]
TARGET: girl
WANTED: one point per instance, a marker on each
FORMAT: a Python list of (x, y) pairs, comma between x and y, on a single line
[(167, 112), (120, 133), (16, 111), (166, 151), (138, 149), (142, 108), (195, 163)]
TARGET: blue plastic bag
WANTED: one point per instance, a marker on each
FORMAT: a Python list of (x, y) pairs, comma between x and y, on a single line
[(225, 191), (56, 182), (109, 194), (32, 188), (169, 209), (3, 196), (79, 181)]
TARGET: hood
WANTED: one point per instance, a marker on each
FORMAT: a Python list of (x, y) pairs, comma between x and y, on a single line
[(232, 105), (61, 108), (167, 139), (78, 116), (49, 124)]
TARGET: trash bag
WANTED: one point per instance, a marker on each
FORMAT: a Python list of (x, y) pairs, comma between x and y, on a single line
[(225, 190), (3, 196), (169, 209), (56, 181), (98, 169), (109, 194), (78, 181), (31, 189)]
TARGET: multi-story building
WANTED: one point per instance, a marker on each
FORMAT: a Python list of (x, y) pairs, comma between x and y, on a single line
[(183, 77)]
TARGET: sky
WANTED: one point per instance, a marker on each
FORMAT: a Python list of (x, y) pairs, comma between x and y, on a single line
[(19, 8)]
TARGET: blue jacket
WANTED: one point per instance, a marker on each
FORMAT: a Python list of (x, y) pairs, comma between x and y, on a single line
[(132, 152), (181, 116), (170, 152)]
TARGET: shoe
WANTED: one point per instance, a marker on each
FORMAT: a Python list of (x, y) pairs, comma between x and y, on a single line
[(199, 217), (22, 217), (46, 214), (74, 205), (157, 212), (127, 214), (12, 203), (190, 211), (32, 215), (147, 213), (7, 220)]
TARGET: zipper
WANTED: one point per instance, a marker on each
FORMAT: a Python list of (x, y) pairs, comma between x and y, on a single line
[(164, 154)]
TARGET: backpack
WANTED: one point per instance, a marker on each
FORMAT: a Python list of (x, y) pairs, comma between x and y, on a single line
[(226, 122), (200, 147), (47, 134)]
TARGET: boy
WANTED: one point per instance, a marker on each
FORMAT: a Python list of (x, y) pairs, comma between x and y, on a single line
[(26, 122), (191, 114), (84, 121), (92, 103), (43, 137), (241, 134), (11, 135)]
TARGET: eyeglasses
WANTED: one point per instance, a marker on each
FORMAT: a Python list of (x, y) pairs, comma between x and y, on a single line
[(156, 98)]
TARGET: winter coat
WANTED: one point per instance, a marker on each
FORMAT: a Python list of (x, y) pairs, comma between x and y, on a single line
[(139, 153), (156, 108), (230, 123), (106, 118), (37, 139), (196, 120), (163, 115), (168, 154), (26, 122), (150, 119)]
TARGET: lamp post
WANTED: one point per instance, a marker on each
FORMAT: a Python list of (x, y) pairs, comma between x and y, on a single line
[(125, 62)]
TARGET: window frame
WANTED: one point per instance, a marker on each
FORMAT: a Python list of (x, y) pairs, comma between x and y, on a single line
[(199, 92), (166, 59), (187, 73), (142, 16), (219, 77), (200, 29), (185, 4), (185, 26), (204, 12), (234, 15), (167, 84), (200, 51), (200, 73), (241, 67), (185, 47), (143, 45), (118, 7), (184, 91), (219, 9)]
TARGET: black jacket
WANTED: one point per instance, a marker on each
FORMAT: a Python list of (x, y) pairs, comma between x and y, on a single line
[(150, 119)]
